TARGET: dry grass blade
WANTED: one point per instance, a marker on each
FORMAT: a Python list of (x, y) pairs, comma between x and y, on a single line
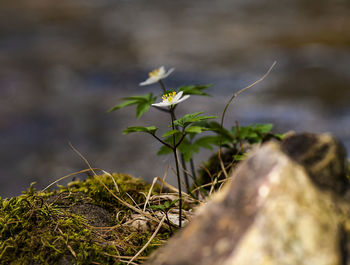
[(125, 261), (131, 198), (211, 183), (149, 241), (69, 175), (115, 183), (171, 187), (164, 178), (212, 188), (149, 193), (125, 257)]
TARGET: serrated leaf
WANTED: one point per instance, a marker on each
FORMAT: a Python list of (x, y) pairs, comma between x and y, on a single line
[(247, 132), (188, 149), (195, 129), (150, 129), (143, 103), (157, 207), (263, 128), (173, 202), (142, 108), (191, 118), (252, 133), (164, 150), (123, 105), (239, 157), (169, 133), (208, 141), (279, 136), (143, 98), (194, 89), (224, 133)]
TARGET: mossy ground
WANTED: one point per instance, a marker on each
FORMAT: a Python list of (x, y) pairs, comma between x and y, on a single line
[(77, 224)]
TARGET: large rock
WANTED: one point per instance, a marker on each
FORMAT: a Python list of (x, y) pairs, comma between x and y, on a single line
[(284, 205)]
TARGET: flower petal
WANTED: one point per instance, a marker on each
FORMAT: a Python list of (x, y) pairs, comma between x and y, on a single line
[(161, 71), (168, 73), (178, 96), (162, 104), (149, 81), (182, 99)]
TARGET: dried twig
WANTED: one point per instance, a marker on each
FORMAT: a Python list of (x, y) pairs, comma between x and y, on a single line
[(227, 105)]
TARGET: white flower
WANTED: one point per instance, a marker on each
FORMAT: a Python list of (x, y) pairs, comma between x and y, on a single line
[(156, 75), (171, 98)]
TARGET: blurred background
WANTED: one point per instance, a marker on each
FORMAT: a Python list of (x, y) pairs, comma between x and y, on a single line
[(63, 64)]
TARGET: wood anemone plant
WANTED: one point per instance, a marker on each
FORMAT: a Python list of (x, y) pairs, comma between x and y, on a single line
[(182, 135), (180, 128)]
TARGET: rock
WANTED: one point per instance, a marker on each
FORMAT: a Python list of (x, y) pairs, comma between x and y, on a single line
[(283, 205), (323, 158)]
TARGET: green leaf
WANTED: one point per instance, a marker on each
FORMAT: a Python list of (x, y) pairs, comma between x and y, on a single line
[(224, 133), (171, 132), (188, 149), (157, 207), (123, 105), (164, 150), (263, 128), (191, 118), (195, 89), (247, 132), (142, 108), (208, 141), (239, 157), (143, 103), (195, 129), (150, 129), (252, 133), (173, 202), (279, 136), (165, 207)]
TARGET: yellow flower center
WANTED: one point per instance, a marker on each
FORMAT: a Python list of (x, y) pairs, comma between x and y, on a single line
[(169, 97), (154, 73)]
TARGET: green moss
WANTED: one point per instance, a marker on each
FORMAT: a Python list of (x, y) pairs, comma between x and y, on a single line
[(64, 226)]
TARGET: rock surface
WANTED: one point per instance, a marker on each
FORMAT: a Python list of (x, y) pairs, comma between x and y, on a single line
[(284, 205)]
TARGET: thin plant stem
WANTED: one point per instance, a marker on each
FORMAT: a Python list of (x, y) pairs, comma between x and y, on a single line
[(239, 138), (183, 162), (177, 167), (162, 85), (226, 107), (193, 171), (168, 221), (160, 140)]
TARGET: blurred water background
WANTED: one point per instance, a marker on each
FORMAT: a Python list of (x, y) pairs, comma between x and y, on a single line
[(63, 64)]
